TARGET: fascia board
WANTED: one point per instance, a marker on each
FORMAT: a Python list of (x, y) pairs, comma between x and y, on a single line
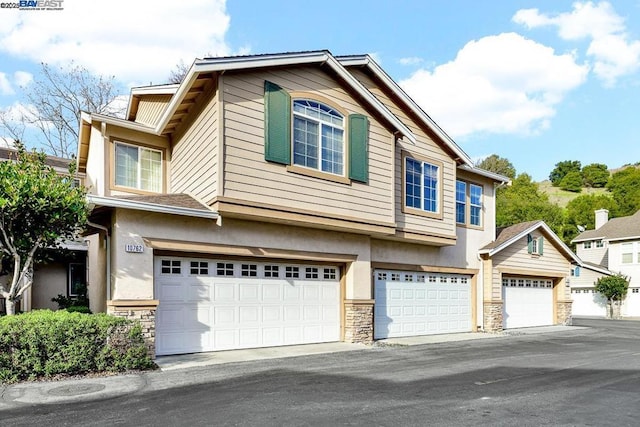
[(150, 207), (415, 108)]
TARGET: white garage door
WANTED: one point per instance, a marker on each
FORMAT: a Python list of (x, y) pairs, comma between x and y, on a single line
[(418, 303), (631, 306), (587, 302), (210, 305), (527, 302)]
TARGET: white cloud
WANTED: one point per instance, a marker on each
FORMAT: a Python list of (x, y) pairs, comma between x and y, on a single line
[(138, 42), (22, 78), (413, 60), (497, 84), (5, 85), (614, 53)]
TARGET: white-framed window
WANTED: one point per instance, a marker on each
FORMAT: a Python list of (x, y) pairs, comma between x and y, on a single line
[(468, 194), (422, 185), (599, 244), (318, 137), (535, 245), (171, 266), (199, 268), (627, 253), (461, 202), (138, 167), (586, 245)]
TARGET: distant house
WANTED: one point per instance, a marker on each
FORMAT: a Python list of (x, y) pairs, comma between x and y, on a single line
[(66, 271), (612, 247)]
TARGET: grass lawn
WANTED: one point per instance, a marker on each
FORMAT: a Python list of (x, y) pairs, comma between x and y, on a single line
[(561, 197)]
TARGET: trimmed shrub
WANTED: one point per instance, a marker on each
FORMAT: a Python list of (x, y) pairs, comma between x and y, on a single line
[(45, 343)]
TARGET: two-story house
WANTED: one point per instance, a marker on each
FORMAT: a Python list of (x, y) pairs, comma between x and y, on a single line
[(293, 198), (612, 247), (64, 271)]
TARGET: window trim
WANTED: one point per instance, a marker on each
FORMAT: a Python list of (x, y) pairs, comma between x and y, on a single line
[(69, 284), (138, 145), (467, 205), (440, 186), (631, 252), (321, 123)]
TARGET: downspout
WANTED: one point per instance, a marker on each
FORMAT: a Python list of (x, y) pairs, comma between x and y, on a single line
[(108, 244), (480, 289)]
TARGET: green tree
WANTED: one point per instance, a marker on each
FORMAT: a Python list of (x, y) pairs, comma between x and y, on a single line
[(523, 201), (38, 209), (572, 181), (562, 169), (581, 212), (624, 186), (614, 289), (595, 175), (497, 164)]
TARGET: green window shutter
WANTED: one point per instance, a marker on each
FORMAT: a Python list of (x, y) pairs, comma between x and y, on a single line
[(529, 244), (540, 245), (277, 124), (359, 147)]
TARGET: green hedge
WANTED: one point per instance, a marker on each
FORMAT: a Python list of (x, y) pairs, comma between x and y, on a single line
[(45, 343)]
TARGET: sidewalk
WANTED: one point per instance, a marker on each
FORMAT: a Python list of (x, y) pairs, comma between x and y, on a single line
[(174, 370)]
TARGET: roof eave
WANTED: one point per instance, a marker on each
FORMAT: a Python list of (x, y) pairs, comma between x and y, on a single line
[(112, 202)]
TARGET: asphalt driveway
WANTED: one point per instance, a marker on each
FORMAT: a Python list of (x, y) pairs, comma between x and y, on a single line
[(587, 376)]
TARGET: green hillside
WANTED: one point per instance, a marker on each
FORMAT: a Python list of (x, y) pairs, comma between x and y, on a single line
[(561, 197)]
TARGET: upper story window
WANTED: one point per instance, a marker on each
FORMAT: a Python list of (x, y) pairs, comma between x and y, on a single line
[(535, 246), (313, 138), (599, 244), (318, 137), (421, 185), (138, 167), (468, 194), (627, 253), (587, 245)]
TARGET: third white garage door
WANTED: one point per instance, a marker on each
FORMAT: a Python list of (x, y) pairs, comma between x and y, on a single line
[(527, 302), (418, 303), (213, 304)]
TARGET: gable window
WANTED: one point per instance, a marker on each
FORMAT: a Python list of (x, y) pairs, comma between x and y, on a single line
[(627, 253), (313, 138), (471, 195), (138, 167), (421, 185), (318, 137), (535, 245)]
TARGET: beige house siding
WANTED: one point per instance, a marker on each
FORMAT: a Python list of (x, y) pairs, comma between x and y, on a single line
[(249, 177), (195, 168), (150, 108), (586, 279), (426, 149)]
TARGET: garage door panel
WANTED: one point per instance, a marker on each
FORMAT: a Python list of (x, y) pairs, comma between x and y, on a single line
[(415, 306), (526, 305), (267, 306)]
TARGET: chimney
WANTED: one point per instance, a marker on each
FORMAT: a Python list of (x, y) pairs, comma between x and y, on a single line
[(602, 216)]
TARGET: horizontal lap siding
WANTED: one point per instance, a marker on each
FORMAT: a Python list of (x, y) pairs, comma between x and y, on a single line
[(427, 148), (194, 163), (249, 177), (516, 256), (150, 108)]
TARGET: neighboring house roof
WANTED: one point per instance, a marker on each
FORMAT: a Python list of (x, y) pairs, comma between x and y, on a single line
[(505, 236), (58, 163), (174, 204), (623, 228), (597, 268)]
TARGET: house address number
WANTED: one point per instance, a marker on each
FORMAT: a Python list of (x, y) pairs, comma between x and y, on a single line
[(136, 249)]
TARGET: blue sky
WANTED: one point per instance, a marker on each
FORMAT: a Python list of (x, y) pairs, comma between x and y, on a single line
[(537, 82)]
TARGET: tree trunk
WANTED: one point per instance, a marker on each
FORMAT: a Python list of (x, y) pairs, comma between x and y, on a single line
[(10, 306)]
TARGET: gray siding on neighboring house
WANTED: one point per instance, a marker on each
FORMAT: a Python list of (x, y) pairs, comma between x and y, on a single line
[(249, 177), (594, 255)]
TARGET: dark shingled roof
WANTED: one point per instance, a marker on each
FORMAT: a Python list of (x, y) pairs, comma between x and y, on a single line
[(614, 229), (504, 234), (178, 200), (56, 162)]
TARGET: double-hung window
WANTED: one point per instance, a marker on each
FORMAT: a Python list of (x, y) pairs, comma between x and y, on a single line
[(422, 185), (471, 195), (627, 253), (138, 167), (318, 137)]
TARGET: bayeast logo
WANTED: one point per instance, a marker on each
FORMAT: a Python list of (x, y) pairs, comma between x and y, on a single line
[(40, 4)]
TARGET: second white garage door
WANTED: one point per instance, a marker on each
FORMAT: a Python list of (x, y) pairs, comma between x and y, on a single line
[(587, 302), (210, 305), (419, 303), (527, 302)]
